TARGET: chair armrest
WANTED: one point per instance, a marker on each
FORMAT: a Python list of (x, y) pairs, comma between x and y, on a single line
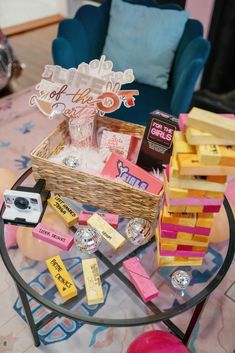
[(191, 62), (75, 37), (95, 22), (193, 29), (62, 53)]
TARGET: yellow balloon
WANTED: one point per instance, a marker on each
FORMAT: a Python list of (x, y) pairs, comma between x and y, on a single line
[(220, 229), (37, 249), (7, 179)]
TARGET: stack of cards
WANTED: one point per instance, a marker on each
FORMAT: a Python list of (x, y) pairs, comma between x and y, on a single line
[(194, 183)]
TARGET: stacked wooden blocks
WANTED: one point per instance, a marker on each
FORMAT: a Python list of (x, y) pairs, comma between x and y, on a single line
[(194, 183)]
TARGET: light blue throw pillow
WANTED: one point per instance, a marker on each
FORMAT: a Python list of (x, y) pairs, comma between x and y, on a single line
[(144, 39)]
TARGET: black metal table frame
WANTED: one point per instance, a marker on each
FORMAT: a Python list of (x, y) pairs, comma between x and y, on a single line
[(197, 301)]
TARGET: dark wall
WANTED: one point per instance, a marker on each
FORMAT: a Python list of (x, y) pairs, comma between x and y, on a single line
[(219, 74)]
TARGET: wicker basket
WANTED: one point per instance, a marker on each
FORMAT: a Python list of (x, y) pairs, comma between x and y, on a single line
[(108, 195)]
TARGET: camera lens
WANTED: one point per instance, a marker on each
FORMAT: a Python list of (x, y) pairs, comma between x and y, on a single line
[(21, 203)]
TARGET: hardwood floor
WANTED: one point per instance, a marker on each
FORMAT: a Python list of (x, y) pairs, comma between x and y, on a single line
[(32, 48)]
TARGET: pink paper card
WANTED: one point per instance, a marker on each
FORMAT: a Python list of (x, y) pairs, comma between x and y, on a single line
[(118, 167), (140, 279), (52, 236), (114, 142), (185, 229)]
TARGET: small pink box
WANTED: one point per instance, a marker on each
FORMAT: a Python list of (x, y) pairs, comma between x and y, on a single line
[(185, 229), (110, 218), (141, 280), (183, 253), (52, 236), (118, 167)]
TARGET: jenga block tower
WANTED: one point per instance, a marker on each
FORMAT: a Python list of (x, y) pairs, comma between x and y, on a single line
[(194, 186)]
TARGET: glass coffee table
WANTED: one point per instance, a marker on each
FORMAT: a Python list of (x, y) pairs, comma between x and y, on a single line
[(37, 290)]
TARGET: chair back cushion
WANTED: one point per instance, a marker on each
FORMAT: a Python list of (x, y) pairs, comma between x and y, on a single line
[(145, 39)]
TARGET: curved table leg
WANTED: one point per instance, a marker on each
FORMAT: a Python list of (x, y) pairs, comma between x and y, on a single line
[(29, 316)]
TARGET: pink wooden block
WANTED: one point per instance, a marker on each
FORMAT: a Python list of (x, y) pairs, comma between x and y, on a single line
[(168, 171), (182, 121), (110, 218), (52, 236), (168, 234), (211, 209), (183, 253), (196, 201), (141, 280), (185, 229)]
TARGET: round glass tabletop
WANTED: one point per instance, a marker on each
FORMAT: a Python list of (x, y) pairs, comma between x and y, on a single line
[(122, 304)]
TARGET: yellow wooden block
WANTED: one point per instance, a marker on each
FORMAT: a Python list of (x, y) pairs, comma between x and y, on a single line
[(178, 136), (196, 193), (188, 219), (172, 247), (189, 164), (179, 241), (182, 147), (174, 168), (184, 236), (194, 209), (197, 137), (211, 122), (93, 285), (176, 209), (192, 182), (214, 195), (220, 179), (227, 155), (177, 193), (201, 238), (167, 217), (115, 239), (205, 220), (68, 215), (179, 261), (61, 278), (199, 248), (209, 154)]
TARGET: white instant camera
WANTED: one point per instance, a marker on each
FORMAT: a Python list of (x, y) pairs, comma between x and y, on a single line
[(25, 204)]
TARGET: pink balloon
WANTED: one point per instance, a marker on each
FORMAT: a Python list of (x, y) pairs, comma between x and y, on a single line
[(157, 342), (7, 179), (37, 249)]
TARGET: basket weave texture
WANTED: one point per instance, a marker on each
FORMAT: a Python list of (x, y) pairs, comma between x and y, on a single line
[(108, 195)]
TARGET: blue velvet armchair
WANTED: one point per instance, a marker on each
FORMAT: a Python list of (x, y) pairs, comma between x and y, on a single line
[(83, 37)]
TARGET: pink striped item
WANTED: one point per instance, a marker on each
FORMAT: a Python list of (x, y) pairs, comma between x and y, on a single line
[(185, 229), (168, 234), (182, 253), (53, 236), (141, 280), (196, 201)]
